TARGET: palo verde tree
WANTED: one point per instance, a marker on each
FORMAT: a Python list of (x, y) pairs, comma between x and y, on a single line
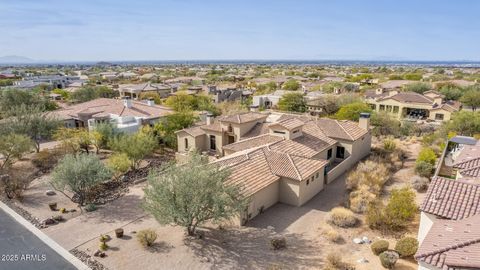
[(193, 193), (78, 174), (136, 146), (13, 146)]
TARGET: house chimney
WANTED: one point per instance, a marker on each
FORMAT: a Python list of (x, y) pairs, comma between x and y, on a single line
[(127, 102), (364, 121), (254, 108), (379, 91), (210, 118), (150, 102)]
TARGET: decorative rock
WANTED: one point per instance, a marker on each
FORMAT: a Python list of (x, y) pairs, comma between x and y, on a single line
[(99, 253), (362, 260), (49, 221), (357, 241), (50, 193), (366, 240)]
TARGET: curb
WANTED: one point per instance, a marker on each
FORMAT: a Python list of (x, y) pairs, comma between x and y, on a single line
[(47, 240)]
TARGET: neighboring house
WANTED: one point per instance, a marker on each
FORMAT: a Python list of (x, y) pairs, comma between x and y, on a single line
[(449, 234), (109, 75), (229, 94), (127, 115), (279, 157), (135, 90), (53, 81), (269, 101), (412, 106), (127, 75)]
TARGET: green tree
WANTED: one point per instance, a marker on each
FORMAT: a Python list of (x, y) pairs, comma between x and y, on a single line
[(352, 111), (291, 85), (471, 98), (78, 175), (152, 95), (107, 132), (401, 208), (418, 87), (31, 121), (427, 155), (12, 99), (84, 94), (119, 164), (181, 102), (174, 122), (464, 122), (192, 194), (292, 102), (136, 146), (13, 146)]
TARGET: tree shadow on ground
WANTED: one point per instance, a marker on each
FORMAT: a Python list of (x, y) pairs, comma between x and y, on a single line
[(249, 248), (126, 208)]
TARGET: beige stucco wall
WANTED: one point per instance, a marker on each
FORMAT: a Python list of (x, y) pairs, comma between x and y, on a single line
[(446, 114), (289, 191), (425, 266), (308, 191), (266, 197), (400, 105)]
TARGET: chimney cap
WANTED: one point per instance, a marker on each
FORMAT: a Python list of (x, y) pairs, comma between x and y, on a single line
[(364, 115)]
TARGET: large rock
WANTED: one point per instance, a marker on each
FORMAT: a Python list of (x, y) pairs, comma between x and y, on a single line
[(50, 192), (357, 241)]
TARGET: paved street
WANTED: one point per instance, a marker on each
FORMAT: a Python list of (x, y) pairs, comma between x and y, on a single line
[(20, 249)]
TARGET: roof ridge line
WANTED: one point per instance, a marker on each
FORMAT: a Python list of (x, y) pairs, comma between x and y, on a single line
[(294, 167), (348, 134)]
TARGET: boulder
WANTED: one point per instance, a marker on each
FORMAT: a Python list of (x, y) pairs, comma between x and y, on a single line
[(357, 241), (50, 193)]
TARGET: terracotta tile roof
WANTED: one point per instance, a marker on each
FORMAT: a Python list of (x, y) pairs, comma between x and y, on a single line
[(409, 97), (258, 129), (194, 131), (216, 126), (452, 199), (341, 129), (243, 117), (289, 123), (452, 244), (253, 142), (106, 106), (257, 168)]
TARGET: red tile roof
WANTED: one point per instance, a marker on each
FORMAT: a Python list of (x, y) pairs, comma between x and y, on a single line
[(452, 244), (452, 199)]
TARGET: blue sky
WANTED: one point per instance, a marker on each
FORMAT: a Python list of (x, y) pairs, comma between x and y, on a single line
[(247, 29)]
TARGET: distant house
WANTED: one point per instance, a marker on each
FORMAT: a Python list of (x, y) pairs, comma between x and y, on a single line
[(412, 106), (126, 115), (135, 90), (53, 81), (228, 94), (109, 75), (278, 157), (449, 234), (269, 101)]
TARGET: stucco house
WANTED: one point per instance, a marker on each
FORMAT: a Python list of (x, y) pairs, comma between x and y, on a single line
[(449, 234), (125, 114), (135, 90), (269, 101), (279, 157), (412, 106)]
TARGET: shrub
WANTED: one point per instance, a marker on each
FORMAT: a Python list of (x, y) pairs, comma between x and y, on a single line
[(119, 164), (342, 217), (46, 159), (427, 155), (379, 246), (419, 183), (369, 173), (406, 247), (333, 236), (335, 262), (424, 168), (147, 237), (389, 145), (360, 198), (91, 207), (388, 259), (278, 243)]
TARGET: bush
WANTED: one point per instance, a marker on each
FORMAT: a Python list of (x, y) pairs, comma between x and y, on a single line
[(419, 183), (388, 259), (379, 246), (335, 262), (147, 237), (389, 145), (424, 168), (333, 236), (119, 164), (427, 155), (360, 198), (46, 159), (369, 173), (342, 217), (406, 247), (90, 207), (278, 243)]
